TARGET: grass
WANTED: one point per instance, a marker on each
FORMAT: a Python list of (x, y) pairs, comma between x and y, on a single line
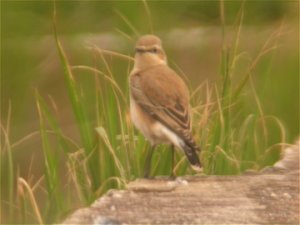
[(111, 153)]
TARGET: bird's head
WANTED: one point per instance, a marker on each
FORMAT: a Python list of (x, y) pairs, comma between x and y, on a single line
[(149, 52)]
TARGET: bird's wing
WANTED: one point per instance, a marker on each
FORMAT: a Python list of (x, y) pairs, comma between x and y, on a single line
[(162, 94)]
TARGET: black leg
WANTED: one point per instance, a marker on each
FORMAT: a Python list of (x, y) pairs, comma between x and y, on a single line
[(173, 161), (147, 168)]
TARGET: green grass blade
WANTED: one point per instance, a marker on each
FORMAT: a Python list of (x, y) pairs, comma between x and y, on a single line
[(82, 120)]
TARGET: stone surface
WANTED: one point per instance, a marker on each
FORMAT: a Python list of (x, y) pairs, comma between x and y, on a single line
[(268, 197)]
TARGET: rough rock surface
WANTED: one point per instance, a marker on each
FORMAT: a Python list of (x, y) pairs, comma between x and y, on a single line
[(268, 197)]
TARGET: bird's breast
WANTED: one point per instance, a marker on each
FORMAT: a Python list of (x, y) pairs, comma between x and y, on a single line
[(149, 127), (140, 119)]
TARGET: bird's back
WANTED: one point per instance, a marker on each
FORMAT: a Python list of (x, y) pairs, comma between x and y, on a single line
[(164, 85)]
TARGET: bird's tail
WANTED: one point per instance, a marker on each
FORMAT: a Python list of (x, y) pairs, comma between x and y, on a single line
[(190, 150)]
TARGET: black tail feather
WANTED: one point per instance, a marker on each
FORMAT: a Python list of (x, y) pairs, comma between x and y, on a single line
[(192, 156)]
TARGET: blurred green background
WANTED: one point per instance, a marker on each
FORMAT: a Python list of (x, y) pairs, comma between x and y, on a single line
[(192, 37)]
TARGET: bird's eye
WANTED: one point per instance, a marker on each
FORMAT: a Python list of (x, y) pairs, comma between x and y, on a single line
[(153, 50)]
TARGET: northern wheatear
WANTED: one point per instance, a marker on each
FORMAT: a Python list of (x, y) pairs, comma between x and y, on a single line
[(159, 101)]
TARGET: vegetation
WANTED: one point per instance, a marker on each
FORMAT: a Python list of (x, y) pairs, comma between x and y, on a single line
[(104, 151)]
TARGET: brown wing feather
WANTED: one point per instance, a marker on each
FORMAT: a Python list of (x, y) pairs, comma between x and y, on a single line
[(163, 95)]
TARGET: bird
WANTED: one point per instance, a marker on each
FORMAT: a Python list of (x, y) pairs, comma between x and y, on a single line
[(159, 102)]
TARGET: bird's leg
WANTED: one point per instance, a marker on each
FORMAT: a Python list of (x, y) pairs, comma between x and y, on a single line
[(173, 161), (147, 168)]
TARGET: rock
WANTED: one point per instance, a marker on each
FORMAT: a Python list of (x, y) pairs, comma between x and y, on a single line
[(270, 196)]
